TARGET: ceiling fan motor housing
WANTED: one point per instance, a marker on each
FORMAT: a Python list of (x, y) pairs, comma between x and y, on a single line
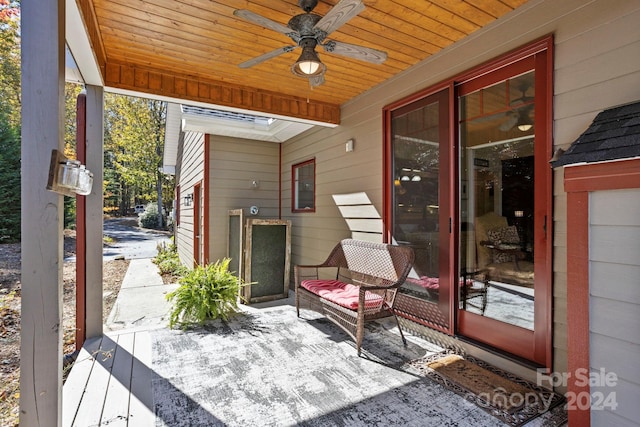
[(307, 5), (304, 24)]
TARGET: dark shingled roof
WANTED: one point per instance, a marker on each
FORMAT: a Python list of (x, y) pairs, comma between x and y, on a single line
[(613, 134)]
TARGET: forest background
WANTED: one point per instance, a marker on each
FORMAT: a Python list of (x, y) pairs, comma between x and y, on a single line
[(133, 142)]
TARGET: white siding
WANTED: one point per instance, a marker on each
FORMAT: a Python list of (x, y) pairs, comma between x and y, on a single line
[(614, 305), (234, 166), (596, 66), (190, 173)]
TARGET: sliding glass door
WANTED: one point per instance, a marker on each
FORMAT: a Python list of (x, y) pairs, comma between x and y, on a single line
[(421, 210), (469, 189), (504, 180)]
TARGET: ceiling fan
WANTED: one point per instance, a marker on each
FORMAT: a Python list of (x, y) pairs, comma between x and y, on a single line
[(309, 30), (520, 114)]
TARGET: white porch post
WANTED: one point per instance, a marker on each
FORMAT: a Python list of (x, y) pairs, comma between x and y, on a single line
[(94, 219), (43, 29)]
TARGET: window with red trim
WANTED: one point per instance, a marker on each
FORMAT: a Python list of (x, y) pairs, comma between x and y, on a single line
[(303, 178)]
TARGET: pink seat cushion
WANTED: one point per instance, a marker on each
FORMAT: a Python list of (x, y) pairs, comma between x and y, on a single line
[(343, 294), (432, 283)]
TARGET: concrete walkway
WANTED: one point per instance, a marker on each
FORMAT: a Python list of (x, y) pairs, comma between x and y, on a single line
[(141, 303)]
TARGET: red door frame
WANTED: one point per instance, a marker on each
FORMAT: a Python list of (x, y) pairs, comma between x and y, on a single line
[(579, 181), (538, 345), (443, 95), (535, 345)]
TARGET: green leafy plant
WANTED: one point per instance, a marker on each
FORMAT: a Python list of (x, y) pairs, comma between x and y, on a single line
[(173, 267), (206, 292), (165, 251), (168, 261), (150, 218)]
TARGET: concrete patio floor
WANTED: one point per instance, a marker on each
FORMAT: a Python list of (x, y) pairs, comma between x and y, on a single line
[(265, 367)]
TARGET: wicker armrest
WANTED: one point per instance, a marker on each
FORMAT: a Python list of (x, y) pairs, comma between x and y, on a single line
[(299, 273)]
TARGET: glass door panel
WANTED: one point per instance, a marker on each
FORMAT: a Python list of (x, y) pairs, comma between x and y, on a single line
[(419, 143), (497, 201)]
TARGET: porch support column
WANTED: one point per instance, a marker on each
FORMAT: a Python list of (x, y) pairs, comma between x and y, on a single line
[(43, 29), (94, 215)]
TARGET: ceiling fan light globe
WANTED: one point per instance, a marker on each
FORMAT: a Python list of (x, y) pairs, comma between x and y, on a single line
[(525, 127), (308, 67)]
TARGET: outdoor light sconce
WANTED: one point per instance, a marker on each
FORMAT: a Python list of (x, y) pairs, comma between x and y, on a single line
[(68, 177), (188, 199)]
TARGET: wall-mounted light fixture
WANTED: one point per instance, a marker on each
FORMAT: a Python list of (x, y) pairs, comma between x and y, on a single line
[(188, 199), (68, 176), (349, 145)]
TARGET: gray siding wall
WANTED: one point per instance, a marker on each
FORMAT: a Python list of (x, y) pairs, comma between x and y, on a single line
[(597, 66), (191, 161), (234, 165), (614, 307)]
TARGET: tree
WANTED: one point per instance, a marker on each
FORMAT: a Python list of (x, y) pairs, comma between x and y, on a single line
[(9, 182), (10, 107), (134, 140), (71, 92), (10, 102)]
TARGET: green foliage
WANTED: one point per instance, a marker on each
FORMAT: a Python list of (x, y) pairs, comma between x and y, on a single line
[(150, 218), (165, 251), (208, 292), (10, 109), (9, 182), (173, 267), (10, 101), (69, 212), (134, 142), (168, 261)]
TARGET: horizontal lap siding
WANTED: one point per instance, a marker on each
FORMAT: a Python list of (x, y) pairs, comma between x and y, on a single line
[(596, 66), (596, 62), (337, 172), (614, 306), (234, 165), (191, 173)]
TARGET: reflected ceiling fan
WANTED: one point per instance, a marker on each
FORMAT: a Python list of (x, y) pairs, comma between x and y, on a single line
[(520, 114), (309, 30)]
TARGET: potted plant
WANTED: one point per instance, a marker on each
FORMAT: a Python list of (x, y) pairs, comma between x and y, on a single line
[(206, 292)]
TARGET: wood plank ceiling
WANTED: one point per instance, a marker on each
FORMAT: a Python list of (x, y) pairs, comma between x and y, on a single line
[(190, 49)]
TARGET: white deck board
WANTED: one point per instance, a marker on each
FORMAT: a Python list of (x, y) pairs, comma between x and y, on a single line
[(110, 383), (116, 403), (141, 409), (89, 414), (76, 383)]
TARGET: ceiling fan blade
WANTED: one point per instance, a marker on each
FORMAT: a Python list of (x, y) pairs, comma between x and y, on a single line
[(338, 15), (264, 57), (508, 124), (354, 51), (316, 80), (262, 21)]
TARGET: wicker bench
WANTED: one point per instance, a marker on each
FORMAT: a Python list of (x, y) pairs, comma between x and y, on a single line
[(364, 279)]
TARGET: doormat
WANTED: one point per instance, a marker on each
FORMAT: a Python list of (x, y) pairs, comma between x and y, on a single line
[(505, 396)]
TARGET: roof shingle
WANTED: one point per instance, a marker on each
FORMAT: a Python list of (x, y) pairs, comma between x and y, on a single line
[(614, 134)]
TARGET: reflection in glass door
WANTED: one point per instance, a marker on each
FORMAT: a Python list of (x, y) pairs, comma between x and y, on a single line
[(503, 292), (419, 144), (497, 203)]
